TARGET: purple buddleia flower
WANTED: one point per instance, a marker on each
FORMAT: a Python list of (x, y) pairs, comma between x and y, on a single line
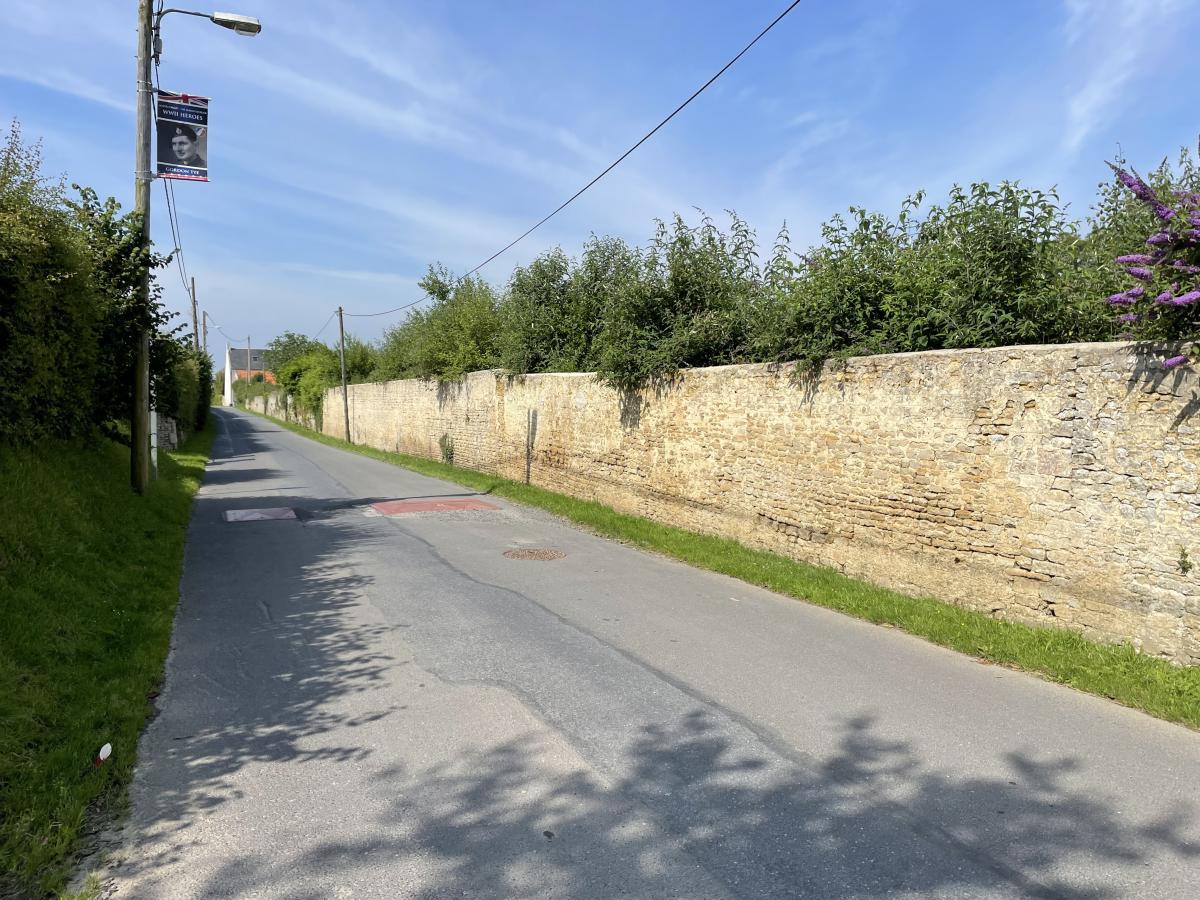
[(1174, 361), (1126, 298), (1185, 268), (1192, 234), (1140, 274), (1164, 297), (1163, 237), (1132, 258), (1194, 217), (1128, 317), (1163, 211), (1188, 196), (1187, 299), (1140, 189)]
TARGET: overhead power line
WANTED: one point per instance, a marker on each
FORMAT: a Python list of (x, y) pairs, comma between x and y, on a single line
[(326, 325), (172, 211), (649, 134), (386, 311)]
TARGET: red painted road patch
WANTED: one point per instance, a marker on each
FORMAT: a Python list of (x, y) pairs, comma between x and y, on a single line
[(259, 515), (441, 504)]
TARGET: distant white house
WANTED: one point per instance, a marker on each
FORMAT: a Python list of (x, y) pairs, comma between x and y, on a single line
[(239, 368)]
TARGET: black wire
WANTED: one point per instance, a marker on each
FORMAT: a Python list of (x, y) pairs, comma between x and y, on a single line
[(172, 211), (326, 325), (643, 140), (387, 311), (649, 134), (233, 341)]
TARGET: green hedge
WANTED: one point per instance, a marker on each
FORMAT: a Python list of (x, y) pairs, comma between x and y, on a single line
[(71, 311)]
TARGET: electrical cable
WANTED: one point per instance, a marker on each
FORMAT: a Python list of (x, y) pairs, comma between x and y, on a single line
[(172, 210), (386, 311), (643, 140), (326, 325), (649, 134), (234, 341)]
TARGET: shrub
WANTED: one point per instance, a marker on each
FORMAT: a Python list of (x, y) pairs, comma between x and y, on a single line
[(1161, 299), (684, 304), (49, 359), (455, 335), (305, 379), (71, 309)]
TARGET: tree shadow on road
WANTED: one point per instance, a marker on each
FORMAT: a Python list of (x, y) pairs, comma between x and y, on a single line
[(692, 816)]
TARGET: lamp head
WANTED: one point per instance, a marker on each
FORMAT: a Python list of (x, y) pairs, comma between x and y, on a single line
[(247, 26)]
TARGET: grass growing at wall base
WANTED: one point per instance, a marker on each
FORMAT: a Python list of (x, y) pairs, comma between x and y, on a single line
[(89, 579), (1117, 672)]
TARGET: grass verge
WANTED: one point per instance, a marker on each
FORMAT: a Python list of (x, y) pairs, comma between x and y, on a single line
[(1119, 673), (89, 578)]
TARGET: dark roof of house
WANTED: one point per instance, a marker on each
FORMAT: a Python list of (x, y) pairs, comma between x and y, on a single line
[(237, 358)]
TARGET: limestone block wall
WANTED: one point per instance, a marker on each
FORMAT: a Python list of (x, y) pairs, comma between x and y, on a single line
[(276, 404), (1055, 485)]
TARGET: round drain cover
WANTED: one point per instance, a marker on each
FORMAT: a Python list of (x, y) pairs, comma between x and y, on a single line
[(534, 553)]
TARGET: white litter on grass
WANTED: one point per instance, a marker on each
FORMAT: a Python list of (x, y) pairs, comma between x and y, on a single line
[(105, 752), (259, 515)]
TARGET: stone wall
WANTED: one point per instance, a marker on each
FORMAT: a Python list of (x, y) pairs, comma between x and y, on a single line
[(1046, 484), (170, 434), (277, 404)]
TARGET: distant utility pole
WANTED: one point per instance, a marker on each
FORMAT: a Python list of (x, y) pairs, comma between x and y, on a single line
[(342, 354), (195, 321), (249, 377), (205, 332)]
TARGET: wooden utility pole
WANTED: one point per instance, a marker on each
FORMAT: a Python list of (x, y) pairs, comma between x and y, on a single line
[(205, 332), (342, 354), (139, 425), (195, 320)]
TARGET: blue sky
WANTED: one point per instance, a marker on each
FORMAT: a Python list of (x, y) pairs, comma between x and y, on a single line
[(354, 143)]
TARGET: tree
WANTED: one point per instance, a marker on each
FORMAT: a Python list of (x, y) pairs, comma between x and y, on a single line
[(289, 346), (119, 257)]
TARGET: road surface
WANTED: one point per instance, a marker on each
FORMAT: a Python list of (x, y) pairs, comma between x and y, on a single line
[(365, 705)]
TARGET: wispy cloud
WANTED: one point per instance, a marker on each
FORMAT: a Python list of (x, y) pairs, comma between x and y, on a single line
[(350, 274), (817, 134), (1110, 40), (72, 85)]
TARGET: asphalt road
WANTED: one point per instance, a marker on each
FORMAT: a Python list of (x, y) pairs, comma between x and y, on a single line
[(369, 706)]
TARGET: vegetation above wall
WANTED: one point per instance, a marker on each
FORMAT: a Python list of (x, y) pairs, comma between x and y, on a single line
[(989, 266)]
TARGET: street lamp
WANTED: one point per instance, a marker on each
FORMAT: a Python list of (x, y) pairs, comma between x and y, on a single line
[(247, 26), (149, 48)]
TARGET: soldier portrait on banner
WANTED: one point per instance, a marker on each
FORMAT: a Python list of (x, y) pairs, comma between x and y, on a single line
[(182, 136)]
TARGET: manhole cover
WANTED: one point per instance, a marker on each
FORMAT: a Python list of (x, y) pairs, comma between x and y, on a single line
[(534, 553)]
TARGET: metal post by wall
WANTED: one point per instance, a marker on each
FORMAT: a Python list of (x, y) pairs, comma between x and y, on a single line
[(530, 437), (139, 424), (154, 442), (342, 354)]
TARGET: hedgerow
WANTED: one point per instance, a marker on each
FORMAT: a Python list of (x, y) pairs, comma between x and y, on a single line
[(991, 265), (71, 312)]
